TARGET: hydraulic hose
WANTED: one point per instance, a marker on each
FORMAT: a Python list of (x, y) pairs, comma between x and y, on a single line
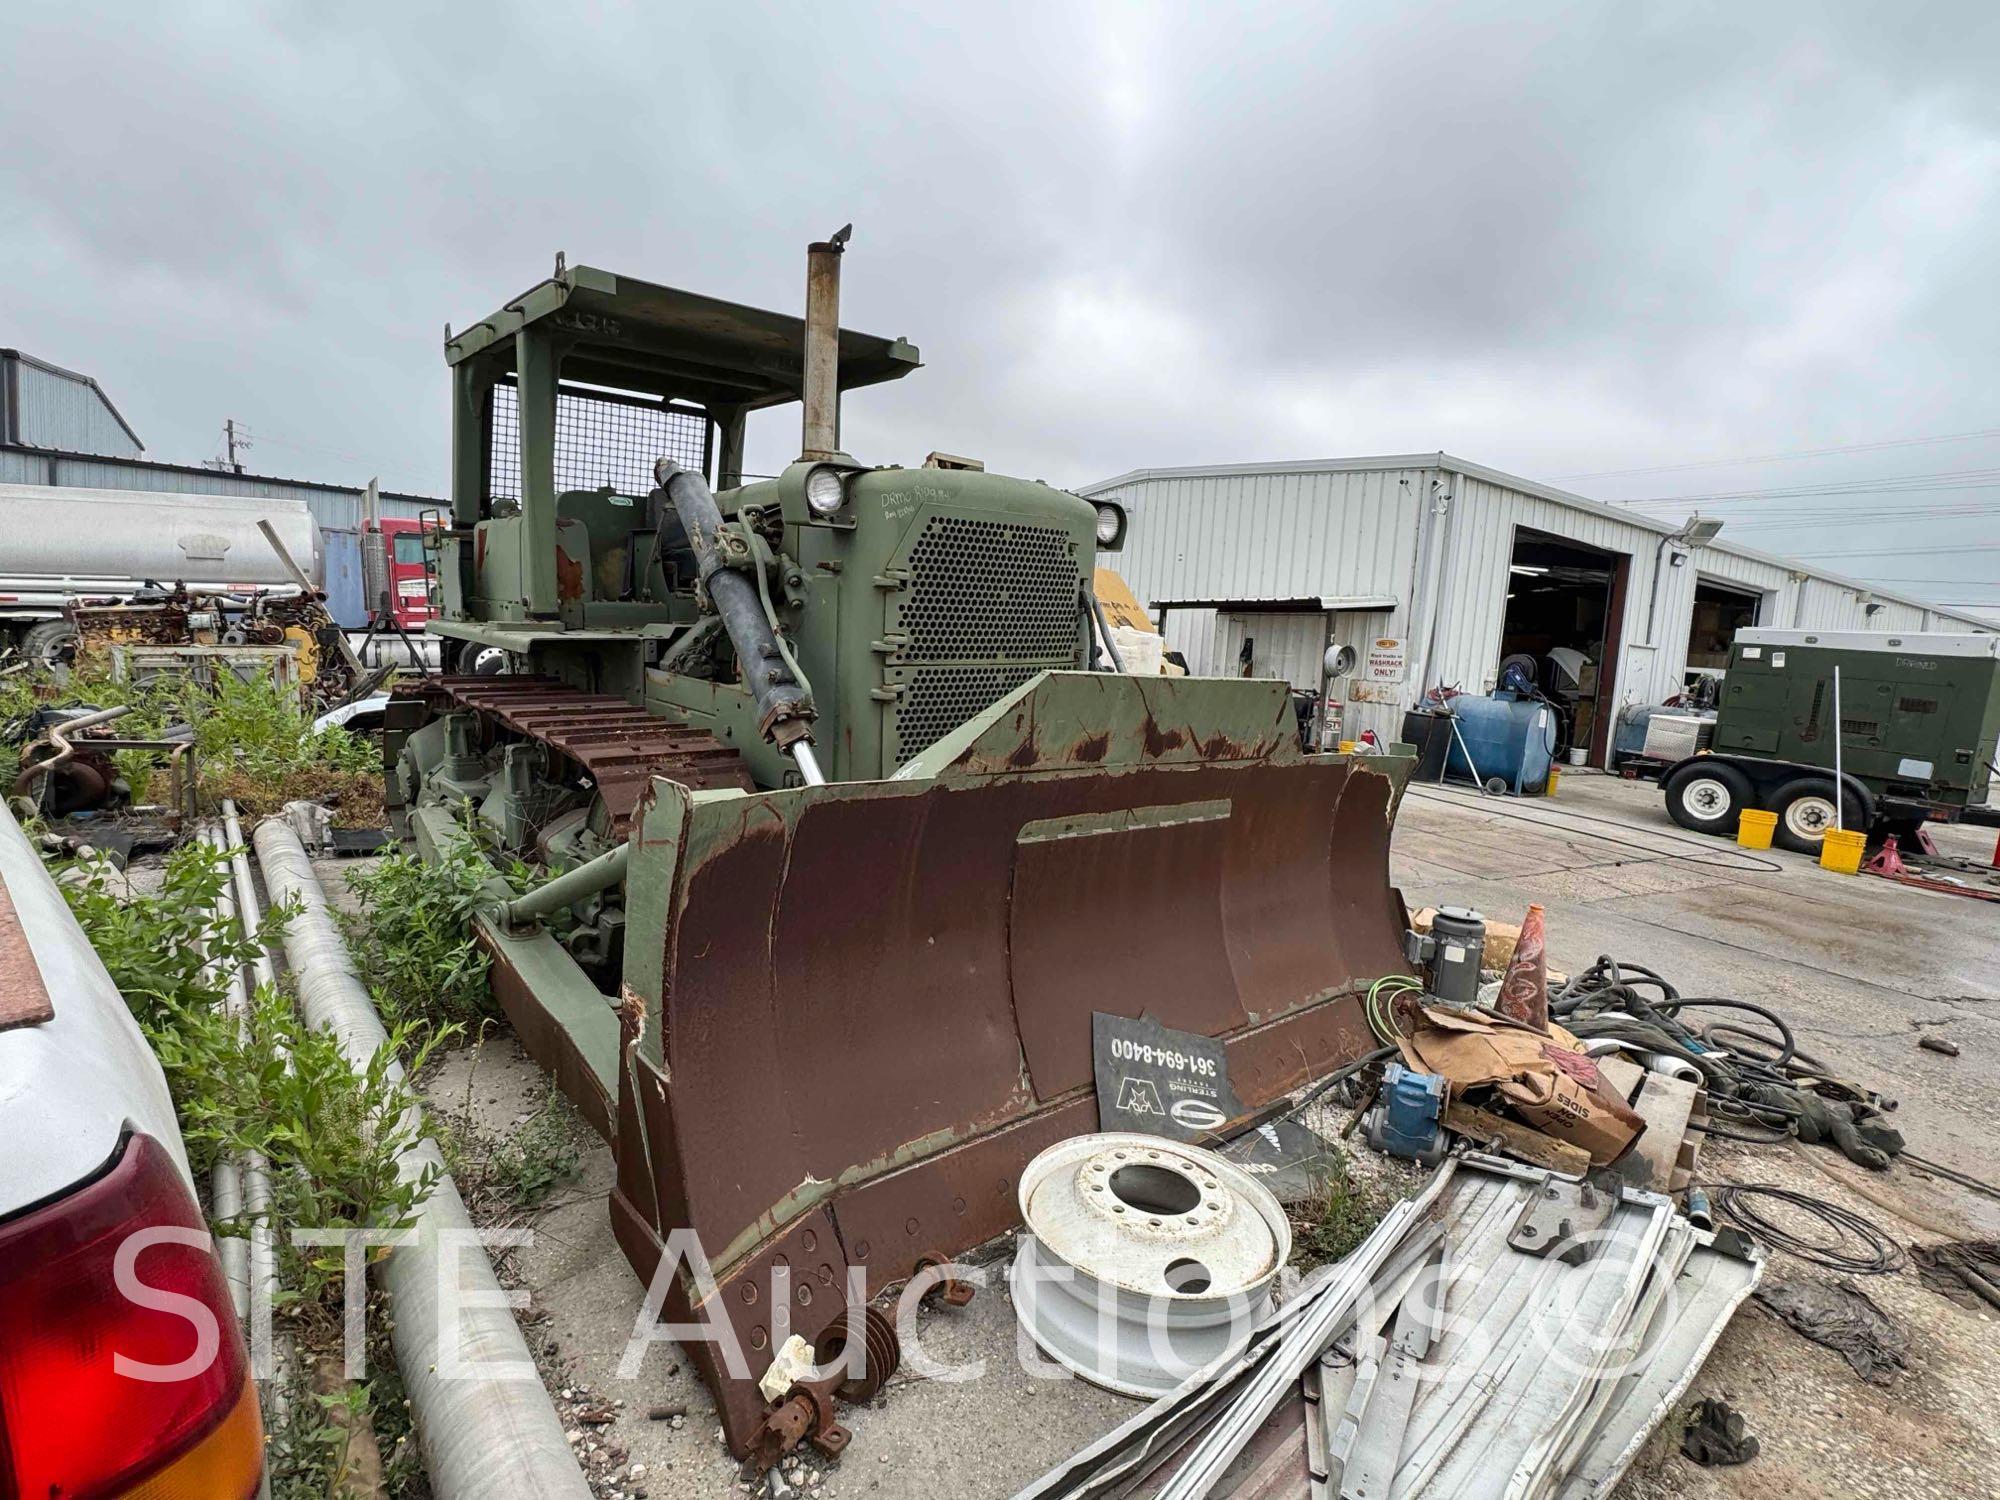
[(784, 706)]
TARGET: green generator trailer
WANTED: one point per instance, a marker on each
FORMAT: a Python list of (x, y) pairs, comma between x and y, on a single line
[(849, 820), (1915, 718)]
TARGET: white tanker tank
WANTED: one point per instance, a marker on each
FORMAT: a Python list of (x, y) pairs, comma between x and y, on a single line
[(61, 545)]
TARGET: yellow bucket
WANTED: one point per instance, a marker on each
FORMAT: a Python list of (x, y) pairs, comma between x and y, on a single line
[(1754, 828), (1842, 850), (1554, 777)]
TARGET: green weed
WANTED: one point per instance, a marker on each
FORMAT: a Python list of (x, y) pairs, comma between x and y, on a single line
[(515, 1170), (412, 938), (1327, 1226), (331, 1135), (253, 741)]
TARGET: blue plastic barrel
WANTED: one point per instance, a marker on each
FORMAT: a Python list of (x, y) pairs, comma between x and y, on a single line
[(1507, 736)]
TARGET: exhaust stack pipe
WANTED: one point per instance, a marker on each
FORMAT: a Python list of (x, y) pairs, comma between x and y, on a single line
[(821, 438)]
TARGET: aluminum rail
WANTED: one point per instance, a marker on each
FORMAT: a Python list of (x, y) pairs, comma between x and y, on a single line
[(258, 1258), (485, 1422), (248, 910)]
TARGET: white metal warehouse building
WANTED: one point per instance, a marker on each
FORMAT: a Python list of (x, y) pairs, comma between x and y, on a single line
[(1435, 570)]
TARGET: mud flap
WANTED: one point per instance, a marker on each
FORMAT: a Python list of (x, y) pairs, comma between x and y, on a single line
[(867, 1005)]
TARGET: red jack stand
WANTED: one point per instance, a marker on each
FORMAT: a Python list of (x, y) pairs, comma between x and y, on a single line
[(1888, 863), (1888, 860)]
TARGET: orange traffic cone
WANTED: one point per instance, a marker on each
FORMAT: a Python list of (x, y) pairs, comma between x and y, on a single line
[(1524, 991)]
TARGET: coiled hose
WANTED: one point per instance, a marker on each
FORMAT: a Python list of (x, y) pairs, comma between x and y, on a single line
[(1757, 1078)]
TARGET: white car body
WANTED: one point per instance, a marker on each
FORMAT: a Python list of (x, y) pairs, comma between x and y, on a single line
[(72, 1086)]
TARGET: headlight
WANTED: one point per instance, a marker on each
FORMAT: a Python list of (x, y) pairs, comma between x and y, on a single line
[(825, 494), (1110, 524)]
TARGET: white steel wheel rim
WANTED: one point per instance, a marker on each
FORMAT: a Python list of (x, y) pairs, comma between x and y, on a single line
[(1134, 1288), (1809, 817), (1707, 799)]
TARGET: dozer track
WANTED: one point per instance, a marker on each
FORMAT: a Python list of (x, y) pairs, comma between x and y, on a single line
[(618, 745)]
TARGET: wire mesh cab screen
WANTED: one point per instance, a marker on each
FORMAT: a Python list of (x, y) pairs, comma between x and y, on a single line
[(602, 437)]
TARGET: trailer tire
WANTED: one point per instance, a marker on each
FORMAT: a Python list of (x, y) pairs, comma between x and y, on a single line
[(1805, 813), (53, 644), (1708, 797)]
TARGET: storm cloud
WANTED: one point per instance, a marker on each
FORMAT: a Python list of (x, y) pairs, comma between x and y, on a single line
[(1557, 239)]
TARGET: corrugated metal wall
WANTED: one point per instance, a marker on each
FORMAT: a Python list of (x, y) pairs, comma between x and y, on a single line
[(1283, 644), (1271, 536), (1324, 531), (1771, 581), (1299, 533), (1479, 547), (1192, 633), (58, 409)]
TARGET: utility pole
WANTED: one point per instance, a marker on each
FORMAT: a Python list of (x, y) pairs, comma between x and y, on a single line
[(232, 440)]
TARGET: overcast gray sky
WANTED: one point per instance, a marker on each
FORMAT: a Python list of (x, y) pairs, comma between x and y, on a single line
[(1555, 239)]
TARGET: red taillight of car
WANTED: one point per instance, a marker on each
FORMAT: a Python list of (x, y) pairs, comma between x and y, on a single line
[(78, 1418)]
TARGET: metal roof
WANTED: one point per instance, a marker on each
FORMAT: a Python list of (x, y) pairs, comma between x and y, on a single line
[(630, 334), (1448, 463), (8, 434)]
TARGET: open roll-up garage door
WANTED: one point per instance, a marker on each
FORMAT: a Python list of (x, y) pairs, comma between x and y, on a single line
[(1561, 629)]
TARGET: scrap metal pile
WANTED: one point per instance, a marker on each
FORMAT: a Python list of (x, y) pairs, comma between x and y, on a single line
[(1503, 1333), (1577, 1072)]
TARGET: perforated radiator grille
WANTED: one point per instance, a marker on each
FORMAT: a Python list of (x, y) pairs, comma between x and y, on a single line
[(989, 591), (939, 699), (989, 605)]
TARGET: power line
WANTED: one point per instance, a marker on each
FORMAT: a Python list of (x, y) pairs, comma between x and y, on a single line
[(1809, 553), (1966, 479), (1796, 453), (1968, 583), (1822, 517)]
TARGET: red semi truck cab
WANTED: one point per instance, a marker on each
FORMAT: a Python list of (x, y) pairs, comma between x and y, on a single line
[(409, 572)]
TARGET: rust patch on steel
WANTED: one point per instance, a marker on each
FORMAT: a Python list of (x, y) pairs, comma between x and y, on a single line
[(1159, 741), (617, 744), (973, 951), (24, 996), (631, 1012), (885, 1064), (569, 577), (1092, 748)]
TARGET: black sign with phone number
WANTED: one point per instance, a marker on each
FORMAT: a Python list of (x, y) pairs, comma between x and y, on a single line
[(1158, 1081)]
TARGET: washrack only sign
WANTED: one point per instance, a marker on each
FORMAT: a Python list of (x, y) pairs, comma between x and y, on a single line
[(1158, 1081)]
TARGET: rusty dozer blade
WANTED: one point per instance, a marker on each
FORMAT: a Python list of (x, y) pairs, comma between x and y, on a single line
[(856, 1011)]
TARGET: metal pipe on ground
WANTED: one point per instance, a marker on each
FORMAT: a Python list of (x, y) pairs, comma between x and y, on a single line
[(484, 1432), (242, 1186), (249, 912), (259, 1255)]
